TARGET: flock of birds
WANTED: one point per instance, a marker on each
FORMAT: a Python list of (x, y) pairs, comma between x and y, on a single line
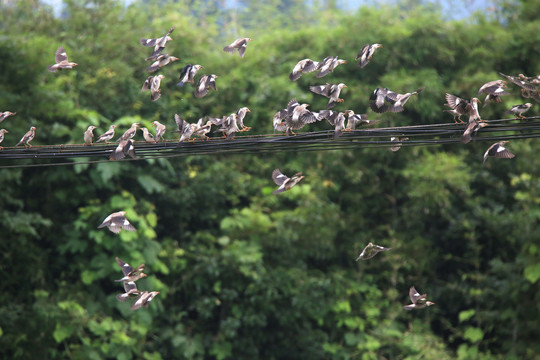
[(292, 118)]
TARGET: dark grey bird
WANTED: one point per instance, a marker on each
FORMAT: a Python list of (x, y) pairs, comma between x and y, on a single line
[(144, 299), (89, 135), (366, 53), (499, 151), (124, 148), (5, 114), (161, 61), (418, 301), (188, 74), (153, 83), (328, 65), (205, 83), (116, 222), (519, 110), (370, 251), (238, 44), (472, 128), (330, 91), (158, 43), (61, 60), (130, 274), (29, 136), (107, 135), (284, 182), (303, 67)]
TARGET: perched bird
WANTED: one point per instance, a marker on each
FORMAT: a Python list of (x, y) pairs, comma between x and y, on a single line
[(206, 82), (398, 142), (2, 132), (366, 53), (303, 67), (472, 128), (460, 107), (499, 151), (160, 130), (370, 251), (229, 126), (130, 274), (203, 129), (522, 81), (418, 301), (61, 60), (188, 74), (493, 89), (153, 83), (144, 299), (397, 101), (159, 43), (336, 119), (89, 135), (5, 114), (328, 65), (130, 133), (238, 44), (148, 137), (330, 91), (294, 117), (125, 147), (354, 120), (107, 135), (184, 128), (241, 114), (519, 110), (529, 94), (161, 61), (131, 291), (285, 183), (29, 136), (116, 222)]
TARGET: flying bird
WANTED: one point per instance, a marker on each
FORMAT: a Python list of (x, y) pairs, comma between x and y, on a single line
[(89, 135), (494, 90), (519, 110), (5, 114), (116, 222), (158, 43), (130, 291), (294, 117), (107, 135), (418, 301), (238, 44), (354, 120), (366, 53), (29, 136), (285, 183), (184, 128), (303, 67), (336, 119), (472, 128), (499, 151), (188, 74), (130, 274), (153, 83), (144, 299), (383, 100), (370, 251), (61, 60), (330, 91), (161, 61), (328, 65), (205, 83), (124, 148)]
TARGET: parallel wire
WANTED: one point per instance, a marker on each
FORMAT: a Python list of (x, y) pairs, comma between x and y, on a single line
[(419, 135)]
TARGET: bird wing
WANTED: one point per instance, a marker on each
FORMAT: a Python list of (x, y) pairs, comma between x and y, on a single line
[(278, 177), (60, 55), (201, 89), (321, 89), (362, 52), (415, 295), (126, 268)]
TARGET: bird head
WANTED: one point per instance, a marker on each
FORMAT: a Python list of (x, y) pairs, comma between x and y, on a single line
[(33, 128), (429, 303), (3, 131), (377, 46)]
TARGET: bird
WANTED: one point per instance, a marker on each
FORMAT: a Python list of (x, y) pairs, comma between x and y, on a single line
[(241, 114), (61, 60), (188, 74), (330, 91), (366, 53), (303, 67), (336, 119), (418, 301), (125, 147), (130, 291), (153, 83), (399, 100), (107, 135), (130, 274), (144, 299), (29, 136), (398, 142), (2, 132), (472, 128), (89, 135), (160, 130), (493, 89), (521, 80), (460, 107), (5, 114), (206, 82), (328, 65), (370, 251), (285, 183), (161, 61), (354, 120), (238, 44), (148, 137), (519, 110), (229, 126), (499, 151), (116, 222), (130, 133), (378, 100), (184, 128), (294, 117), (202, 130), (158, 43)]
